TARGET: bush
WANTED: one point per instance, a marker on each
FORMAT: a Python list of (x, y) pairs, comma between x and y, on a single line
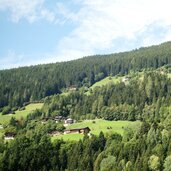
[(14, 108), (6, 110), (60, 127), (12, 112), (22, 108)]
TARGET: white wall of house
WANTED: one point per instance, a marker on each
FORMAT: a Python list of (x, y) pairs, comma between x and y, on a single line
[(9, 138)]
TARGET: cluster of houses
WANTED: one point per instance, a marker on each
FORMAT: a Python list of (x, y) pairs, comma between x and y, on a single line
[(67, 121)]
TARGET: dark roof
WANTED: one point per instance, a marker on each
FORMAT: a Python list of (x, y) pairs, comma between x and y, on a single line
[(78, 129), (10, 134), (58, 117)]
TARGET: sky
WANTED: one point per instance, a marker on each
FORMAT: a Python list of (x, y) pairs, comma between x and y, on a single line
[(46, 31)]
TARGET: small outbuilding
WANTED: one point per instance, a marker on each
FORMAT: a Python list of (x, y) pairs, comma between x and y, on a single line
[(72, 88), (126, 79), (69, 121)]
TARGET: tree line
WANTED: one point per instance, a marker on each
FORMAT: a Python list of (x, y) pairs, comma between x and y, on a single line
[(147, 149)]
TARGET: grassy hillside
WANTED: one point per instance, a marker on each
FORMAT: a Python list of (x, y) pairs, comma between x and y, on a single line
[(115, 80), (99, 125), (4, 119), (106, 81), (118, 79), (70, 137), (1, 133)]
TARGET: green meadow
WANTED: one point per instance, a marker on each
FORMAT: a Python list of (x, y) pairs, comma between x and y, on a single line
[(1, 133), (99, 125), (106, 81), (118, 79), (65, 137), (4, 119)]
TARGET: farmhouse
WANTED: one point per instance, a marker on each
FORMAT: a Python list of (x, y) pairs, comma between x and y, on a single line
[(72, 88), (162, 72), (69, 121), (9, 135), (85, 130), (125, 79)]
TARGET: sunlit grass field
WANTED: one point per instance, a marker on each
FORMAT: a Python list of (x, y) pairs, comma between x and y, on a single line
[(106, 81), (65, 137), (1, 133), (4, 119), (99, 125)]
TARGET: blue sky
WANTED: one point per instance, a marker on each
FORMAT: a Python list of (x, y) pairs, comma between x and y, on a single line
[(45, 31)]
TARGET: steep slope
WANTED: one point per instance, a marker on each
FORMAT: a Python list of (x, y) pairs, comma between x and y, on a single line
[(35, 82)]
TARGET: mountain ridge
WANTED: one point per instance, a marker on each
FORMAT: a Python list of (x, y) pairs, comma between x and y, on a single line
[(95, 55)]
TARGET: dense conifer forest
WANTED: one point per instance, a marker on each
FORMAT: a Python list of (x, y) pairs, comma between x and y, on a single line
[(33, 83), (146, 97)]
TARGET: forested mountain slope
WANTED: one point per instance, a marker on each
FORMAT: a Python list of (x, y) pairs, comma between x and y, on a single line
[(35, 82), (146, 97), (129, 100)]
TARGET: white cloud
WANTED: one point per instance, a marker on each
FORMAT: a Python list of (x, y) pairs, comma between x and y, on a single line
[(49, 15), (100, 26), (14, 59), (21, 8), (101, 23), (31, 10)]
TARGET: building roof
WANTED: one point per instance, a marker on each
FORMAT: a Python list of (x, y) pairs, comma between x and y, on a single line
[(58, 117), (10, 134), (69, 119), (77, 129)]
